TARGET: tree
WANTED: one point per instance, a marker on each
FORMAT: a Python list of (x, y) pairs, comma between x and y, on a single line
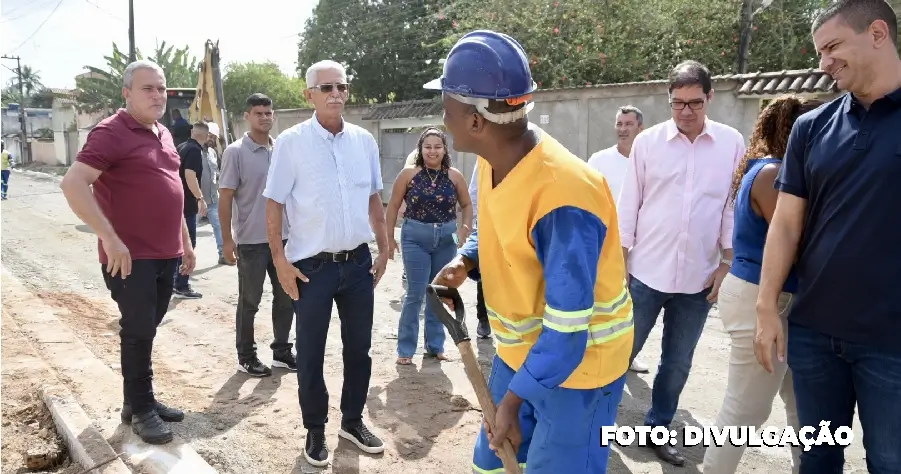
[(389, 47), (243, 79), (101, 90), (36, 95)]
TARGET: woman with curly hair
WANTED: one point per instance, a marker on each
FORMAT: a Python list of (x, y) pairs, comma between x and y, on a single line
[(431, 190), (750, 389)]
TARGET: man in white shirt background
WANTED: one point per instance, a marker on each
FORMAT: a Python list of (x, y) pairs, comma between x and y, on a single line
[(614, 161)]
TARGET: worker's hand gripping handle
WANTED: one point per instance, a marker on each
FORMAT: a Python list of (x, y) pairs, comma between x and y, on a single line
[(456, 326), (456, 323)]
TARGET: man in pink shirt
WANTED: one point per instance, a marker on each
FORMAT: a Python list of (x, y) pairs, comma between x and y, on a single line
[(676, 231)]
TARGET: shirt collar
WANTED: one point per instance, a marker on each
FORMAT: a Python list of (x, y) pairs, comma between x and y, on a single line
[(133, 123), (322, 132), (252, 145), (672, 131), (848, 100)]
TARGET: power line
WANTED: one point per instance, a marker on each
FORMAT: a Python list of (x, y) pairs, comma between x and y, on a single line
[(60, 2)]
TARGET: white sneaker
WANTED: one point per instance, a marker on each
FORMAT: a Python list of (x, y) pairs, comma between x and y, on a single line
[(638, 367)]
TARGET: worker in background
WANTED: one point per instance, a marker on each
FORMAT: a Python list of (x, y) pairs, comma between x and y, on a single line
[(6, 162), (125, 186), (837, 222), (191, 172), (245, 165), (550, 224), (209, 186), (612, 162)]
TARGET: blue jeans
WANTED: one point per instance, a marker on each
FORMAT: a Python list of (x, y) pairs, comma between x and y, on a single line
[(4, 179), (349, 286), (213, 215), (683, 322), (425, 249), (830, 377)]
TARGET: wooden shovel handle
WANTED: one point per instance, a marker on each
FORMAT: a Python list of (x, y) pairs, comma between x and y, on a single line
[(489, 411)]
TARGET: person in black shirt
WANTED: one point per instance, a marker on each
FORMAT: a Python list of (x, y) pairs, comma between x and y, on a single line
[(192, 157), (837, 212)]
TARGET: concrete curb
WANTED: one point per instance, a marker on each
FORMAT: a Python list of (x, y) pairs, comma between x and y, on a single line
[(91, 379), (86, 445)]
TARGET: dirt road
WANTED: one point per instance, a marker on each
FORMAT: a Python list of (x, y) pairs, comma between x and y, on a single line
[(244, 425)]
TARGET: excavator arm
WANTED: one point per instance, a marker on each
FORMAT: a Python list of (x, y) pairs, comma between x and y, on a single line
[(209, 105)]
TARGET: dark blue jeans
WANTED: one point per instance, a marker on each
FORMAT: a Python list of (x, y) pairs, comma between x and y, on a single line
[(350, 286), (830, 377), (684, 316), (181, 281)]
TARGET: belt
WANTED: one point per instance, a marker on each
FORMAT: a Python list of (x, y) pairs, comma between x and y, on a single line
[(337, 257)]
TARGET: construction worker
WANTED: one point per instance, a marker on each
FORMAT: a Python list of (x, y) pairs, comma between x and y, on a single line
[(6, 162), (548, 253)]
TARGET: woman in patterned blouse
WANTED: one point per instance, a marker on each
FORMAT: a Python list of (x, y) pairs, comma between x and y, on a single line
[(431, 190)]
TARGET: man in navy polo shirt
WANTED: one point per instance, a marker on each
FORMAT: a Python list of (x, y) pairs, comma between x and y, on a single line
[(136, 211), (839, 213)]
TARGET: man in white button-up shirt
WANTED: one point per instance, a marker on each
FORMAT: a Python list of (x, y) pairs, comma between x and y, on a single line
[(325, 179)]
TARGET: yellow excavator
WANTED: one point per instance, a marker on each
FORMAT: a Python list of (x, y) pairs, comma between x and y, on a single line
[(202, 103)]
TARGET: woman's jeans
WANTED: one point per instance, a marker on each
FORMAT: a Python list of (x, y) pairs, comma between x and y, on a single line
[(425, 249)]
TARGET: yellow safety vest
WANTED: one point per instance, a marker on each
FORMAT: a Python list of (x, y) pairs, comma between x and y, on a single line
[(550, 177)]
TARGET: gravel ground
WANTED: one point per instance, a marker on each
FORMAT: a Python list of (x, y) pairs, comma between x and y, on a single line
[(425, 412)]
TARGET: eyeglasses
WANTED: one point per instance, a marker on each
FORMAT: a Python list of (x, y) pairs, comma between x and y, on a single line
[(328, 88), (693, 105)]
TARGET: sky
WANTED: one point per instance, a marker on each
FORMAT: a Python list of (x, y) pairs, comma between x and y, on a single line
[(81, 32)]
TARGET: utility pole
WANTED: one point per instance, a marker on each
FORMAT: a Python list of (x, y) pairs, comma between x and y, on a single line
[(132, 55), (23, 132)]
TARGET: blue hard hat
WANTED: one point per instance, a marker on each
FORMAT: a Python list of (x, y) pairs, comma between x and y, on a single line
[(486, 64)]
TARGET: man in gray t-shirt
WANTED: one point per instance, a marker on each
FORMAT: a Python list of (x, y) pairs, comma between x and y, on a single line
[(242, 207)]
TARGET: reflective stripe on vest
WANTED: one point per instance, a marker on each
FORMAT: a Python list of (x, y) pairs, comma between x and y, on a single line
[(512, 333)]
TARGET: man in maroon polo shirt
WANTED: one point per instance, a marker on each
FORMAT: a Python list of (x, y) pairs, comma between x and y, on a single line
[(136, 211)]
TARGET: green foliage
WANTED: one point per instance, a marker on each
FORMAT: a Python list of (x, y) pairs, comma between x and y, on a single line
[(387, 45), (243, 79), (101, 89)]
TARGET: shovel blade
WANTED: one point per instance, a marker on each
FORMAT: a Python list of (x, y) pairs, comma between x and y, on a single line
[(455, 323)]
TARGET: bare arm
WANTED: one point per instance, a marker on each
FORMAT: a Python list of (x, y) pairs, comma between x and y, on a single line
[(398, 191), (763, 194), (274, 212), (377, 221), (226, 198), (193, 184), (781, 248), (76, 187)]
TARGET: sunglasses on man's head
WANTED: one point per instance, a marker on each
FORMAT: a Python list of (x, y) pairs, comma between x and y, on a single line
[(328, 88)]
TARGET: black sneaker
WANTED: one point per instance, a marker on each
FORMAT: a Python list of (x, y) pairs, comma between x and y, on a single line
[(360, 435), (151, 428), (315, 451), (167, 413), (254, 368), (186, 294), (285, 360), (483, 329)]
